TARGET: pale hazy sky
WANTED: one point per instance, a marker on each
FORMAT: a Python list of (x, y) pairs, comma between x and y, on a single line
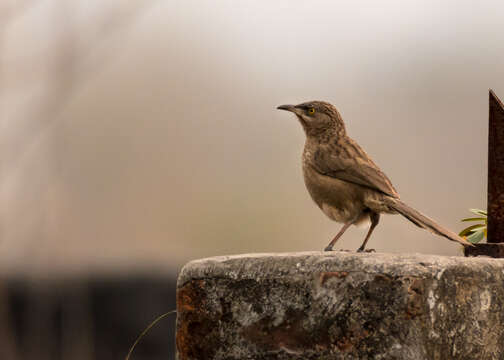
[(148, 135)]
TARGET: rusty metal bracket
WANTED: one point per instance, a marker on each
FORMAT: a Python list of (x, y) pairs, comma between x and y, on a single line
[(495, 208)]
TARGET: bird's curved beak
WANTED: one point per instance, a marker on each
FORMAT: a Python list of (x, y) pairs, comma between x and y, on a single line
[(290, 108)]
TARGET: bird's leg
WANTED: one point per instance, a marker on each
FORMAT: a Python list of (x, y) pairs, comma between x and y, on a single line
[(329, 247), (375, 218)]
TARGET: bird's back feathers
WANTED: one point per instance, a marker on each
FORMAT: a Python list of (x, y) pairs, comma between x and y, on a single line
[(346, 160)]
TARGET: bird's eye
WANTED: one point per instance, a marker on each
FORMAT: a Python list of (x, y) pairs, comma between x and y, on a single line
[(311, 111)]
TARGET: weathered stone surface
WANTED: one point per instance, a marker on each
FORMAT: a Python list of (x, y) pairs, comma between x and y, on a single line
[(341, 305)]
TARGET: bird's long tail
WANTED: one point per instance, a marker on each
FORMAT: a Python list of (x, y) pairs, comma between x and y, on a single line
[(420, 220)]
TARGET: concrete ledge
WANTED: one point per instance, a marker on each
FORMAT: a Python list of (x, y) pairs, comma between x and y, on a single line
[(341, 305)]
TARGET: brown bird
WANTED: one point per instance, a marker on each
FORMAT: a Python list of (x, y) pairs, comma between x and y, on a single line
[(342, 179)]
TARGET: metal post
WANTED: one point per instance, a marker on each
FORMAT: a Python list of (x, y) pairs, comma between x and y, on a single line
[(495, 170), (495, 208)]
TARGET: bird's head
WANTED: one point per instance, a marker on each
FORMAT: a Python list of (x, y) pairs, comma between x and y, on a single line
[(317, 117)]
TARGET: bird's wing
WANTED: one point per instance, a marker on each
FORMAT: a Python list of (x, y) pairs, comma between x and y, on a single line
[(355, 167)]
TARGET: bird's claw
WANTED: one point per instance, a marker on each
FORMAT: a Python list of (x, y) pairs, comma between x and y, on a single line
[(365, 250)]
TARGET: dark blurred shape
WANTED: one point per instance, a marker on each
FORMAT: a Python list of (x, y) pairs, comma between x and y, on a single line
[(495, 250), (87, 318)]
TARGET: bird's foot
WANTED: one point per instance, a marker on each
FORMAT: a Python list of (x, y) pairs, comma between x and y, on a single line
[(328, 248), (365, 250)]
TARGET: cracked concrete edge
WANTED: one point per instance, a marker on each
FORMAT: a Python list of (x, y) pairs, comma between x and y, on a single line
[(268, 265)]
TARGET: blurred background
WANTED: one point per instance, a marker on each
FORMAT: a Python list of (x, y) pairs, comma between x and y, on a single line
[(136, 136)]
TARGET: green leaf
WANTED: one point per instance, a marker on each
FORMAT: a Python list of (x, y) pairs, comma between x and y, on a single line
[(471, 229), (476, 237), (478, 212), (474, 219)]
